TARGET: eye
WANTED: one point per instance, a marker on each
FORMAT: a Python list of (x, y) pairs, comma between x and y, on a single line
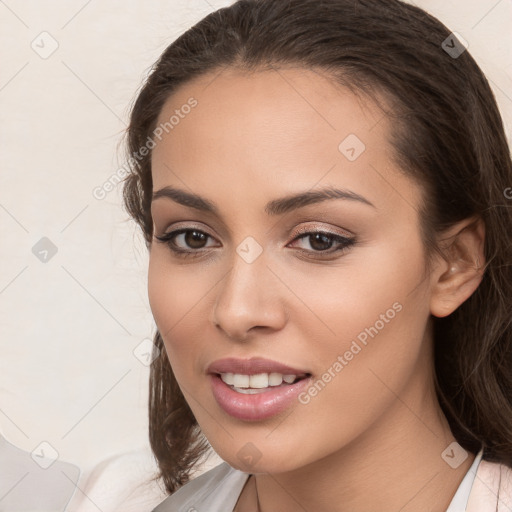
[(322, 241), (193, 238)]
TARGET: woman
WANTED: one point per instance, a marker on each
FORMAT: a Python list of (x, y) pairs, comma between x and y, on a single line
[(322, 189)]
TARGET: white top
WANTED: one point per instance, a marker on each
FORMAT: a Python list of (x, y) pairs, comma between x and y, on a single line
[(36, 482), (218, 490), (460, 500)]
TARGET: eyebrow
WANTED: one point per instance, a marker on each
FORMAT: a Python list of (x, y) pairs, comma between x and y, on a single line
[(274, 207)]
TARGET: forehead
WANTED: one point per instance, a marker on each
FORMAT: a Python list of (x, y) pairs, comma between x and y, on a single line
[(304, 100), (280, 127)]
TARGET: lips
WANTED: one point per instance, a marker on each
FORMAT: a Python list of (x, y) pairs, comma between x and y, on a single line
[(232, 383), (253, 366)]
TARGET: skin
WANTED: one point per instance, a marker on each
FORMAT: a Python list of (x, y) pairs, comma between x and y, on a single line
[(372, 439)]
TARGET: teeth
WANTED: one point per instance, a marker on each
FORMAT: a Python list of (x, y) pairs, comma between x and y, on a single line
[(258, 381), (275, 379), (240, 381), (228, 378)]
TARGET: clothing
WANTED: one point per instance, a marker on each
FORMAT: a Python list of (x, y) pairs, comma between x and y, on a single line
[(124, 482), (34, 481), (37, 482), (218, 490), (460, 499)]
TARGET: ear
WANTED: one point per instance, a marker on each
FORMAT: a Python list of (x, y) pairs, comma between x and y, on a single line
[(455, 278)]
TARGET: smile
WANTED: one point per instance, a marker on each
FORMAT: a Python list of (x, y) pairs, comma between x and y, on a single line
[(258, 383)]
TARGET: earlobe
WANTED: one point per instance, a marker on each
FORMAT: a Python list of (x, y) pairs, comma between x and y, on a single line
[(458, 275)]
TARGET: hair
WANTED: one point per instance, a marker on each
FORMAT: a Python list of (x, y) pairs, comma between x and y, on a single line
[(447, 134)]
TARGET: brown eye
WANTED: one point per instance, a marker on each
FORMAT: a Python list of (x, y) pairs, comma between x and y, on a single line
[(187, 242), (321, 241), (195, 239), (190, 241)]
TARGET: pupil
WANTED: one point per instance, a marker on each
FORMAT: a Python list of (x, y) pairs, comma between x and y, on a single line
[(194, 239), (320, 236)]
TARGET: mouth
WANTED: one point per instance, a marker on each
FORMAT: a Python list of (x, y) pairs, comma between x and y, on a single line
[(256, 389), (259, 382), (252, 366)]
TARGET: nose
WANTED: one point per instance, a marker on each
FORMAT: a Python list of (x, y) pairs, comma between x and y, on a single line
[(250, 298)]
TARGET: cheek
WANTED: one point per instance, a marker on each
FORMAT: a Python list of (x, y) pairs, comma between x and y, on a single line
[(372, 314), (345, 299), (162, 288), (378, 327), (174, 291), (178, 297), (169, 299)]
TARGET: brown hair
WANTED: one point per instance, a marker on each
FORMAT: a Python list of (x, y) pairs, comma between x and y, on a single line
[(447, 134)]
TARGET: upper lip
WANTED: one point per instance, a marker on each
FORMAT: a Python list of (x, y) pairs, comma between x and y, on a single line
[(252, 366)]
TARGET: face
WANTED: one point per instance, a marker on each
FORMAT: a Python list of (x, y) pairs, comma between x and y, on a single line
[(330, 286)]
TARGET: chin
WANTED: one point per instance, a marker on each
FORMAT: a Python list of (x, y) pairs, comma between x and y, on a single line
[(274, 464)]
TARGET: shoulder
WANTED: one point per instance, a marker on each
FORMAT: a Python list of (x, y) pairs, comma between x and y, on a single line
[(216, 490), (125, 482), (492, 488)]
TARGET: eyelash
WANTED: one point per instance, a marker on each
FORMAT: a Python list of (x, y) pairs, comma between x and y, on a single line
[(344, 242)]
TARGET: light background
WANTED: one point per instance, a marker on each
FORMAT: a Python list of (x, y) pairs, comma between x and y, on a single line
[(68, 374)]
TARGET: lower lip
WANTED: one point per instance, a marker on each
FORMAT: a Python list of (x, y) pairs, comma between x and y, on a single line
[(257, 406)]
